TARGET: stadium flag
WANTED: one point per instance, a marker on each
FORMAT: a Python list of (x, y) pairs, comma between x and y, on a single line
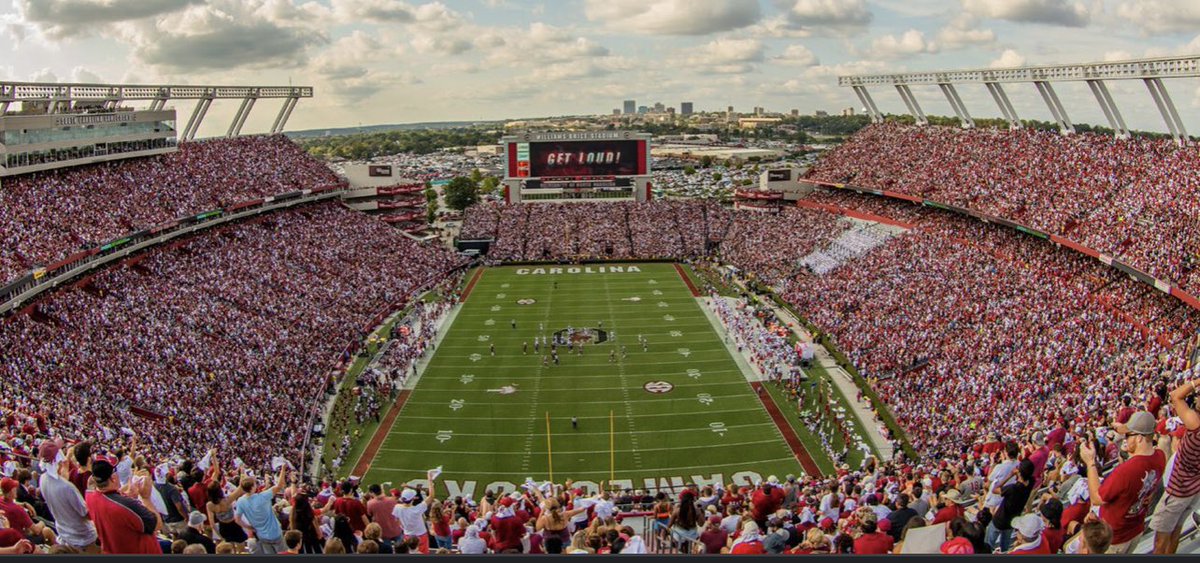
[(205, 462), (280, 461), (433, 473)]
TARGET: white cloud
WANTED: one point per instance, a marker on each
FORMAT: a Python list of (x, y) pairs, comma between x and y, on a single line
[(824, 17), (673, 17), (63, 19), (1161, 16), (963, 31), (1009, 58), (225, 34), (911, 42), (797, 55), (727, 56), (1069, 13)]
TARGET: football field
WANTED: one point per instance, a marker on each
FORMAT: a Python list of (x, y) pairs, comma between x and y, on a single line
[(675, 411)]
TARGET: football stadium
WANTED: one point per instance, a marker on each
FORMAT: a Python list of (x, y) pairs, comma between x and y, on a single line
[(885, 332)]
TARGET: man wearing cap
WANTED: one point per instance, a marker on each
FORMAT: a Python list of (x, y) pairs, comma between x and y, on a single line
[(1124, 498), (948, 507), (194, 534), (509, 528), (63, 500), (411, 515), (1183, 484), (20, 515), (124, 525), (1029, 541), (258, 510)]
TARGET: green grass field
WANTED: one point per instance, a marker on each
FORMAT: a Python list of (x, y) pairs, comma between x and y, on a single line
[(708, 426)]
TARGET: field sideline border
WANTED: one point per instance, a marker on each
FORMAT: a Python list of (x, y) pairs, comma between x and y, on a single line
[(471, 284), (381, 433), (687, 280)]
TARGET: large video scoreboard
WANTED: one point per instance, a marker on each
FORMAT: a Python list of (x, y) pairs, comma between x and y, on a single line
[(610, 165)]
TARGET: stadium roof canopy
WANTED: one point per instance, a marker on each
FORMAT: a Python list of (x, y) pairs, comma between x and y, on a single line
[(1150, 70), (62, 97)]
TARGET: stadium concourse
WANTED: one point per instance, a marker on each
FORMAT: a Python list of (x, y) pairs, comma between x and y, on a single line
[(161, 405)]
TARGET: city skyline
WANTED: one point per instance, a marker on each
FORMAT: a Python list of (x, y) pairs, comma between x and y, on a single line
[(392, 61)]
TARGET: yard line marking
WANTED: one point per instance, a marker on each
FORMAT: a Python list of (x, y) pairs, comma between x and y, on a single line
[(604, 417), (576, 401)]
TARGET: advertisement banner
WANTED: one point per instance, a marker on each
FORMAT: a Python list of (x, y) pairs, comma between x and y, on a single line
[(379, 171)]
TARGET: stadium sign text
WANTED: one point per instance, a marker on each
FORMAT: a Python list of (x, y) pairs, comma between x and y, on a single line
[(579, 270), (673, 484)]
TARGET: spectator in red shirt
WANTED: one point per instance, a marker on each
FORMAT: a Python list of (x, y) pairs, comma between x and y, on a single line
[(124, 525), (20, 515), (380, 510), (352, 508), (508, 528), (749, 542), (872, 541), (1124, 498), (713, 537), (1183, 487), (1053, 535), (766, 500), (949, 507)]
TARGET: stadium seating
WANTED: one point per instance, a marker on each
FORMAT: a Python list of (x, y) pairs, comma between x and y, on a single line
[(1137, 199), (48, 216), (226, 335)]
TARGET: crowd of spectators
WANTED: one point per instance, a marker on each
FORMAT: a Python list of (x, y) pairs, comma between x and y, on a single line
[(218, 341), (1136, 199), (1051, 488), (958, 320), (48, 216), (669, 229), (771, 244)]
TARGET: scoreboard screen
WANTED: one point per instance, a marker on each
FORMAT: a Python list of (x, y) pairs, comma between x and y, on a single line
[(576, 159)]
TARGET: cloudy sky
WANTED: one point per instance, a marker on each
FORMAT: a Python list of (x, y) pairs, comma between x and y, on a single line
[(390, 61)]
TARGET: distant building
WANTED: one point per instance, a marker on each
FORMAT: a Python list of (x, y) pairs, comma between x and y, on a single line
[(758, 111), (617, 111), (795, 113), (756, 122), (630, 106), (659, 107), (729, 113), (643, 110), (821, 113), (685, 108), (848, 112), (671, 111)]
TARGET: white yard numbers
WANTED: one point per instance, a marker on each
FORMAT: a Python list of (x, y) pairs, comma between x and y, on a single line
[(685, 352), (489, 322), (505, 286), (668, 318), (475, 357), (705, 398), (634, 299), (676, 333), (495, 308), (444, 435), (456, 404), (501, 295), (467, 378), (653, 282), (693, 373), (657, 292), (717, 427), (484, 338), (663, 304)]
